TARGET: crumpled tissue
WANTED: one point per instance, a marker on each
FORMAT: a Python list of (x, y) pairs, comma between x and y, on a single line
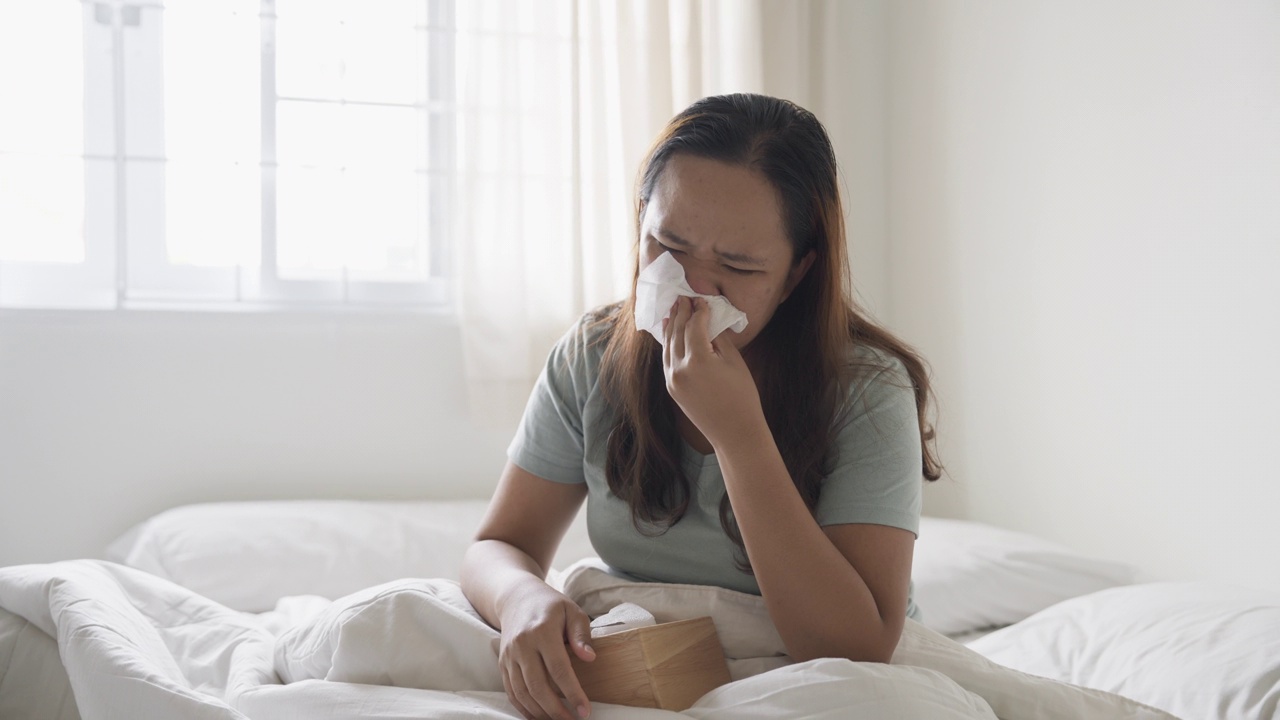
[(625, 616), (657, 289)]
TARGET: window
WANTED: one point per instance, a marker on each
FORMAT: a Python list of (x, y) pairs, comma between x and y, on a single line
[(261, 152)]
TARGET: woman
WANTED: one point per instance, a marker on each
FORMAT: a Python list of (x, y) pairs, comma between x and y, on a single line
[(783, 460)]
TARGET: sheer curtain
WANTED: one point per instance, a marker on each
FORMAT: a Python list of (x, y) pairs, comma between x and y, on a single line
[(560, 101)]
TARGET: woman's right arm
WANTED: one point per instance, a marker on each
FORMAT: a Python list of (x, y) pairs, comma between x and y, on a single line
[(503, 575)]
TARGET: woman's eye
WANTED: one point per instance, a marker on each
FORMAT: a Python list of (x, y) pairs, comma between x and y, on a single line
[(739, 271)]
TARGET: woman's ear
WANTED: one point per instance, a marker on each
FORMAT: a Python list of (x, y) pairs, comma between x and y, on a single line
[(797, 273)]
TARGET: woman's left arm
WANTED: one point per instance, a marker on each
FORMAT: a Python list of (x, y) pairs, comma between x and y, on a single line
[(838, 591)]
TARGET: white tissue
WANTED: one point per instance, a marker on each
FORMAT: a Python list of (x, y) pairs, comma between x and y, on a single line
[(657, 289), (627, 616)]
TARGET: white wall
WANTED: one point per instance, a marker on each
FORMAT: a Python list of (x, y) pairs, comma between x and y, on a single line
[(107, 418), (841, 79), (1084, 228)]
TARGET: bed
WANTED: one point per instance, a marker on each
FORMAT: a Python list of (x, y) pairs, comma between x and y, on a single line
[(336, 609)]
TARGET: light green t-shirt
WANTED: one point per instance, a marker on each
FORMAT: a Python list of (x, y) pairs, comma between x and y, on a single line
[(875, 477)]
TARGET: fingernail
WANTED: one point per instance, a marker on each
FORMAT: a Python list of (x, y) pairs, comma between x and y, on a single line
[(583, 711)]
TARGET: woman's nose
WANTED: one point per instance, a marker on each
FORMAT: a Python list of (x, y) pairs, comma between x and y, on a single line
[(700, 279)]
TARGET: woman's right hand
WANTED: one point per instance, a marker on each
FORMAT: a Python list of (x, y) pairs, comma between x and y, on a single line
[(540, 627)]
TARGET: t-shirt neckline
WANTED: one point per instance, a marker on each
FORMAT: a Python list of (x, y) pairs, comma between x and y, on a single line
[(696, 459)]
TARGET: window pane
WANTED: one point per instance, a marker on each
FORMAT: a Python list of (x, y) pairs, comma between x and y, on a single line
[(42, 81), (385, 59), (351, 194), (310, 221), (41, 208), (371, 223), (388, 225), (213, 80), (367, 51), (334, 136), (309, 134), (213, 213), (351, 139), (42, 133), (385, 137), (308, 49), (212, 129)]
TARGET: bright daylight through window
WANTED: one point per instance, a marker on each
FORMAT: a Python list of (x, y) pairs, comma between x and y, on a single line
[(262, 152)]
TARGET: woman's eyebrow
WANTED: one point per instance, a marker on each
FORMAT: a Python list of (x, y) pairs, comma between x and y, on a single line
[(740, 258)]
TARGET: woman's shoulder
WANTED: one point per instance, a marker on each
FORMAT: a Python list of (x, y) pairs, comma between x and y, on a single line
[(872, 363), (875, 374), (583, 344), (592, 328)]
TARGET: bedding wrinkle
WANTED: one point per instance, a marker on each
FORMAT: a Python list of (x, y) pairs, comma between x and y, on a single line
[(110, 626), (409, 633), (33, 683), (878, 686)]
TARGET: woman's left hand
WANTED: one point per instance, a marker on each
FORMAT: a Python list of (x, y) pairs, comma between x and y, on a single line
[(708, 378)]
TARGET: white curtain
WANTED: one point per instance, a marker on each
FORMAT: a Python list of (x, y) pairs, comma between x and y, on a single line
[(561, 100)]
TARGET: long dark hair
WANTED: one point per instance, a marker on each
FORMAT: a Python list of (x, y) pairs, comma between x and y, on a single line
[(802, 356)]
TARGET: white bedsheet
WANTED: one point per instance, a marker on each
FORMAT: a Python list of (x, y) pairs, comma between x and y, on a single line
[(134, 645)]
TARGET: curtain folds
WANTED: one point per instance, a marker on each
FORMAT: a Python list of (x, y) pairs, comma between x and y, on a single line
[(559, 101)]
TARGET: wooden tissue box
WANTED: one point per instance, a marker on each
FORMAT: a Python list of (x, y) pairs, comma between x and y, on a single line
[(667, 666)]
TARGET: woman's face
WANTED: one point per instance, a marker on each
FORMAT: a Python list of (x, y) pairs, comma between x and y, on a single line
[(724, 224)]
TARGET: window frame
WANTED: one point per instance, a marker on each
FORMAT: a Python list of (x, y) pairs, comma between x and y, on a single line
[(126, 261)]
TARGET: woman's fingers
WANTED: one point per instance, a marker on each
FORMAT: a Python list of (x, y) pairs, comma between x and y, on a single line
[(524, 677), (542, 690), (679, 319), (580, 644), (666, 342), (723, 346), (698, 328), (689, 327), (516, 696), (566, 681), (580, 635), (536, 671)]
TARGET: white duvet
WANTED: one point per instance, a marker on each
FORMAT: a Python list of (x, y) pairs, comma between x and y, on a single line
[(136, 646)]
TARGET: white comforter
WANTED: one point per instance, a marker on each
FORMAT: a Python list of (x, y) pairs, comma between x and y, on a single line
[(136, 646)]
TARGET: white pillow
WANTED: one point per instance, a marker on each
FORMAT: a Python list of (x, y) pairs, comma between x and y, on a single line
[(1193, 649), (248, 555), (969, 575)]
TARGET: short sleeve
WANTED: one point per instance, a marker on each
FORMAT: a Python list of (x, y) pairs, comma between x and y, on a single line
[(549, 440), (876, 473)]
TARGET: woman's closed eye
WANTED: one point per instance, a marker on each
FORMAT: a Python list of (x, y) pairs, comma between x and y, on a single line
[(733, 269)]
